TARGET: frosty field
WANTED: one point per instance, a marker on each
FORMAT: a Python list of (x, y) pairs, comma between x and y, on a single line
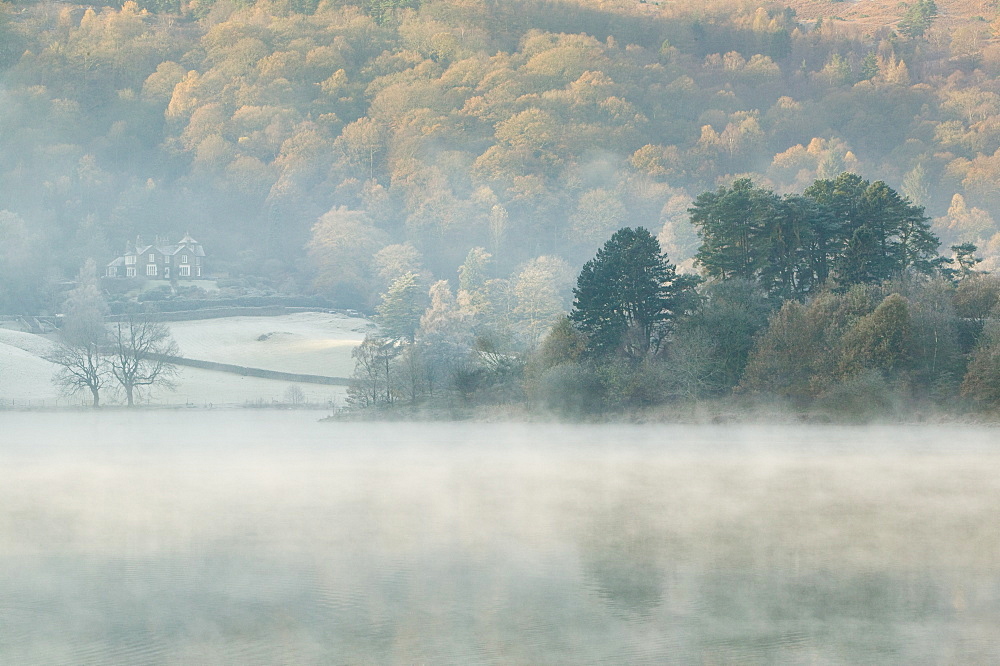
[(305, 343), (315, 343)]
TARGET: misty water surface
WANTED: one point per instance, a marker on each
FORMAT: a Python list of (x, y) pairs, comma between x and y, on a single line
[(261, 537)]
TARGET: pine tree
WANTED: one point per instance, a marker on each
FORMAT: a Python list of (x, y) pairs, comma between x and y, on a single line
[(732, 224), (918, 18), (627, 295)]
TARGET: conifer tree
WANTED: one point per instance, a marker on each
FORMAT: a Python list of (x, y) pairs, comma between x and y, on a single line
[(627, 295), (401, 307)]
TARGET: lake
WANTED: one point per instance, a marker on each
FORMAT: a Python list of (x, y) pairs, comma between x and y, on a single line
[(266, 537)]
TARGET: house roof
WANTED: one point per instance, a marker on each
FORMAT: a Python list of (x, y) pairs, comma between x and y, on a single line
[(197, 250), (193, 246), (186, 243)]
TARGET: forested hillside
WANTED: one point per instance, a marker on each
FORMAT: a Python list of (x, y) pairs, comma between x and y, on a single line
[(335, 146)]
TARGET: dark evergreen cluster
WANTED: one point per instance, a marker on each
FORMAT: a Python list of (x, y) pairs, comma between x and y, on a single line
[(846, 229), (918, 17)]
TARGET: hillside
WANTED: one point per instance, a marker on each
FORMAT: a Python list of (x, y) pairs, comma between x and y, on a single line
[(332, 147), (874, 14)]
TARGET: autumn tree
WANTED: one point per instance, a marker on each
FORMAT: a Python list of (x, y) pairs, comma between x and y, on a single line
[(798, 355), (341, 248)]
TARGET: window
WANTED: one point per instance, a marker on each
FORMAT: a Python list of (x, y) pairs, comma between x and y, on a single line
[(151, 270), (185, 271), (130, 271), (199, 271), (166, 259), (129, 259), (152, 257), (197, 260), (184, 258)]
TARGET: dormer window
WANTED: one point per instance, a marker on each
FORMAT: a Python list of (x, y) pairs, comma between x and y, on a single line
[(129, 259)]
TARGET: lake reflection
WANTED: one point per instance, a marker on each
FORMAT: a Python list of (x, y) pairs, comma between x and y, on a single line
[(265, 537)]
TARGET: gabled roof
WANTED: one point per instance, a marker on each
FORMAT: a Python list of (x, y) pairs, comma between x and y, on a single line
[(186, 243), (197, 250)]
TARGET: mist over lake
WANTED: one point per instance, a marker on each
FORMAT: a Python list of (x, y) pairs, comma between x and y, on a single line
[(249, 537)]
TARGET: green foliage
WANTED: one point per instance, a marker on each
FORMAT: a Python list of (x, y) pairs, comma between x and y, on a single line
[(965, 257), (879, 341), (571, 389), (862, 397), (918, 18), (982, 381), (750, 233), (798, 355), (383, 10), (911, 341), (716, 340), (628, 294), (849, 229)]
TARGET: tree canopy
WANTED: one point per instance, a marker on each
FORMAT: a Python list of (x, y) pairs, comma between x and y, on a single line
[(627, 295), (846, 229), (529, 128)]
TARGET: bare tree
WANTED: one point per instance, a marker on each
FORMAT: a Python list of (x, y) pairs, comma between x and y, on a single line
[(370, 384), (294, 395), (141, 351), (82, 367)]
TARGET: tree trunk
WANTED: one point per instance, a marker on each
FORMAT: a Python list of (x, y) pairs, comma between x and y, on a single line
[(128, 396), (97, 396)]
